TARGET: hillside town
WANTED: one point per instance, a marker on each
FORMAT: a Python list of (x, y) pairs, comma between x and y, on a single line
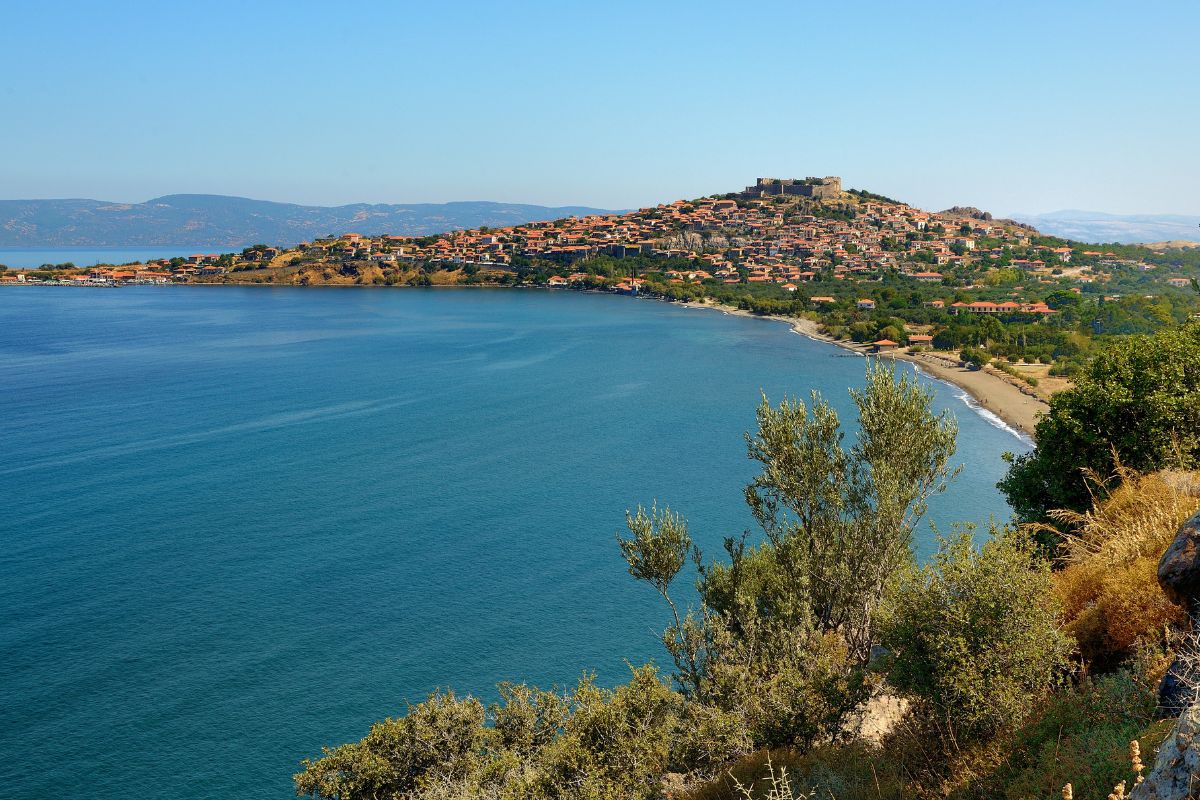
[(783, 232), (869, 269)]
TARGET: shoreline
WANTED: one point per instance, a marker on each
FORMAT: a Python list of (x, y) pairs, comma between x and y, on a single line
[(993, 395)]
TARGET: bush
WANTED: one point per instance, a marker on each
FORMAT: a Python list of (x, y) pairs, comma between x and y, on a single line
[(974, 636), (1138, 400), (593, 743), (974, 357), (442, 737), (1081, 737)]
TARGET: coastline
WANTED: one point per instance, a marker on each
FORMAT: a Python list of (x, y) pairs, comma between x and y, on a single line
[(991, 392)]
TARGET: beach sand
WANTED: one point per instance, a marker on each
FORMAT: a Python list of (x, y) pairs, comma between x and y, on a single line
[(1009, 399)]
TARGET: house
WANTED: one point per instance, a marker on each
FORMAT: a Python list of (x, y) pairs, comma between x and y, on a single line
[(920, 339), (884, 346), (865, 304), (822, 299), (789, 287), (928, 277)]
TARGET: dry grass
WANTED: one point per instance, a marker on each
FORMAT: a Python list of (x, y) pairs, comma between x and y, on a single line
[(1108, 587), (848, 771)]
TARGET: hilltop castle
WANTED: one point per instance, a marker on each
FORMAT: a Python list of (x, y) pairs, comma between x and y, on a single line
[(828, 188)]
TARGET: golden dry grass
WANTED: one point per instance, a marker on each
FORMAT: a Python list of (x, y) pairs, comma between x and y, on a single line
[(1108, 587)]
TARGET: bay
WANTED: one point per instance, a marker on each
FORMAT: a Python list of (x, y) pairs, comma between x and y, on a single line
[(240, 523)]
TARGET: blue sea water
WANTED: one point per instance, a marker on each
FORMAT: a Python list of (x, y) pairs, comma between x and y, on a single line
[(241, 523)]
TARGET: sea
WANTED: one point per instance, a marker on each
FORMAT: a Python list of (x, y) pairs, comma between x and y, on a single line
[(241, 523)]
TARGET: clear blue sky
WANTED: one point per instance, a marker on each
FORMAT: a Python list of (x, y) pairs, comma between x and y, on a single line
[(1013, 106)]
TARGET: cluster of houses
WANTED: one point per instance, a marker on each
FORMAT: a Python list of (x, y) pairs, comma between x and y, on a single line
[(733, 239), (758, 237), (767, 240)]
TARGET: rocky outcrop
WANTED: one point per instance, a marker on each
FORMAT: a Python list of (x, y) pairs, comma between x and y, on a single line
[(1179, 577), (1176, 772), (1179, 569), (967, 211)]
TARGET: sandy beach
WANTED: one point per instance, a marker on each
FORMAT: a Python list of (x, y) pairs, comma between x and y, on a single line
[(1006, 397)]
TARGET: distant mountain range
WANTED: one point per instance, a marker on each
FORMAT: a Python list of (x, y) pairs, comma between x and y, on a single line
[(1096, 226), (223, 222), (218, 221)]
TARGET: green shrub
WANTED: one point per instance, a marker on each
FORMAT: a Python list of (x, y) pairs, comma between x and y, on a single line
[(974, 357), (974, 636), (1081, 737), (443, 737), (592, 743), (1139, 400)]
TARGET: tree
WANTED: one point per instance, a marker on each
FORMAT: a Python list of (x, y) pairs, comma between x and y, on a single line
[(840, 522), (657, 551), (1137, 402), (975, 357), (974, 636), (785, 629)]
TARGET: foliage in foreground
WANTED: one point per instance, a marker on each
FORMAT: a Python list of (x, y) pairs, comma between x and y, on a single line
[(975, 640), (591, 743), (778, 651), (784, 631), (776, 654), (1080, 732), (1137, 401), (1080, 735)]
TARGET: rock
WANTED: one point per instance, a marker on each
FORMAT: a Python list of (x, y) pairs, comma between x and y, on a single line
[(1179, 568), (1177, 691), (1176, 772), (874, 718)]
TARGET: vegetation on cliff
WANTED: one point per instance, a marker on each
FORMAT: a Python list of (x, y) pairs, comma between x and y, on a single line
[(1137, 402), (778, 653), (1021, 666)]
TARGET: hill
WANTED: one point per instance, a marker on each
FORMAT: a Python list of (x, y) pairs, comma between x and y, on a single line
[(1096, 226), (214, 221)]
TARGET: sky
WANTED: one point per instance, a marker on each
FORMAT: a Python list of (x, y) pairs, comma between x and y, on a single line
[(1012, 107)]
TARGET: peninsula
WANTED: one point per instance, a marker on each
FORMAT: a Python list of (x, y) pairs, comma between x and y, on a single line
[(989, 304)]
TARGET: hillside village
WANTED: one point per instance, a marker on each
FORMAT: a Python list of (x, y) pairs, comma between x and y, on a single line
[(871, 269)]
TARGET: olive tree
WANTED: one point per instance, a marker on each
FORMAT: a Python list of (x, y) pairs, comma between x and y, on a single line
[(840, 521), (784, 628)]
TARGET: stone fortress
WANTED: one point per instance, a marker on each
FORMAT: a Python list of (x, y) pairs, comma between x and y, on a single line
[(828, 188)]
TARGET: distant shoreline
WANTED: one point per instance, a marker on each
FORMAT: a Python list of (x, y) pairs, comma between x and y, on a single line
[(993, 392), (1015, 407)]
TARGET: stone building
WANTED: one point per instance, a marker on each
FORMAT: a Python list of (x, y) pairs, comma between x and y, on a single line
[(828, 188)]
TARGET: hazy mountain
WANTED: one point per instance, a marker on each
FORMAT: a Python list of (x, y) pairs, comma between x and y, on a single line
[(1096, 226), (217, 221)]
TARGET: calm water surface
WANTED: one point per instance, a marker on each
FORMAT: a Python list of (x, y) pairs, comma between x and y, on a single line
[(241, 523)]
